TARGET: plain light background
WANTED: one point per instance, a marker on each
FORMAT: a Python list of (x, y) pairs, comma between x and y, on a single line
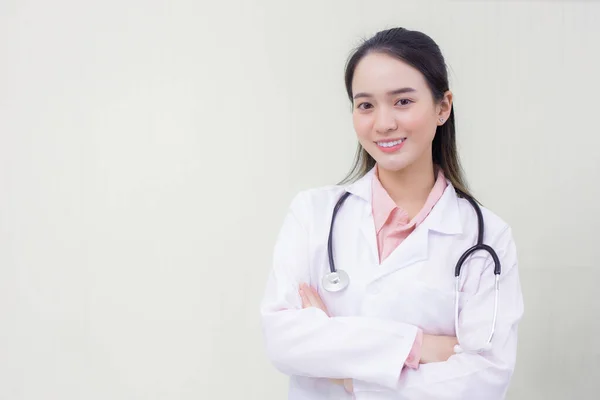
[(149, 150)]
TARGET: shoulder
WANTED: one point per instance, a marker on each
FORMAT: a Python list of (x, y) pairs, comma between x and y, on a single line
[(310, 203), (496, 230)]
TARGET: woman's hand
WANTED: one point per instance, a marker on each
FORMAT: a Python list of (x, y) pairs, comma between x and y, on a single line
[(437, 348), (433, 349), (310, 298)]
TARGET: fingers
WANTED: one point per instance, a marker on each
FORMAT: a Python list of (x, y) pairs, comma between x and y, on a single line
[(305, 301), (319, 301), (348, 385), (310, 298), (315, 299), (437, 348), (454, 341)]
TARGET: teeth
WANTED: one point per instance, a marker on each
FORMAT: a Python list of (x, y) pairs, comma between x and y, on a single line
[(390, 144)]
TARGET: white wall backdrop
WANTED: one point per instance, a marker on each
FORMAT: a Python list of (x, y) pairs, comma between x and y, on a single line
[(149, 149)]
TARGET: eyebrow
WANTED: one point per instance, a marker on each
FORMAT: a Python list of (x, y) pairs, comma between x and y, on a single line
[(390, 93)]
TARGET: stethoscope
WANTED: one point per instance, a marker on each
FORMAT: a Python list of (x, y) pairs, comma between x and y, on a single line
[(338, 280)]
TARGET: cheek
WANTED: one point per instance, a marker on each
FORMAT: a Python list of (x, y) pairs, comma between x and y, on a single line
[(419, 123), (362, 125)]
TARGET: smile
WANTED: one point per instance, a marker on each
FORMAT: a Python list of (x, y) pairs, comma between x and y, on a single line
[(388, 144)]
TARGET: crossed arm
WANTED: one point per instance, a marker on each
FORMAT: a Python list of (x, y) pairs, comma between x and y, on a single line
[(370, 352), (433, 349)]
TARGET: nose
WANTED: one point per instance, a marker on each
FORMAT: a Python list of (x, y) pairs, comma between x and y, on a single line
[(385, 121)]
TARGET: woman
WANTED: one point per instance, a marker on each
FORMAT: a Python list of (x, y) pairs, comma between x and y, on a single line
[(391, 333)]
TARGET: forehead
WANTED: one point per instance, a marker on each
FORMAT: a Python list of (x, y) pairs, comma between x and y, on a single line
[(379, 73)]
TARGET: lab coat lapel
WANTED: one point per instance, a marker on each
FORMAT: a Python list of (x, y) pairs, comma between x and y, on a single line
[(362, 188), (444, 218), (367, 228), (412, 250)]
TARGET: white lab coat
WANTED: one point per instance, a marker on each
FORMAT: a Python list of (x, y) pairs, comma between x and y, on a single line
[(374, 321)]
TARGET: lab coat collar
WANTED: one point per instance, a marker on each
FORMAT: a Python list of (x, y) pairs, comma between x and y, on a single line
[(444, 217), (362, 187)]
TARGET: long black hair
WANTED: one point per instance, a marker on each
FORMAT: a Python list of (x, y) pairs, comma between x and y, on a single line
[(421, 52)]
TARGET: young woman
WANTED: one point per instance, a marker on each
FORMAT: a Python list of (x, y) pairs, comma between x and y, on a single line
[(388, 324)]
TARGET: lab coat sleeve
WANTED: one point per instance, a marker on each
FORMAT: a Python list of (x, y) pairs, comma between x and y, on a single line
[(307, 342), (464, 375)]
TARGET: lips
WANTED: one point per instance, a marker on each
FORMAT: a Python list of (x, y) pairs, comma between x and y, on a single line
[(390, 146)]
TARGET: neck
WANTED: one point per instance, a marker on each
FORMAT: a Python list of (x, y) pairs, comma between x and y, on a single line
[(409, 187)]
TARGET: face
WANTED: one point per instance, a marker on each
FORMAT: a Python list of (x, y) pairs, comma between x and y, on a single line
[(394, 114)]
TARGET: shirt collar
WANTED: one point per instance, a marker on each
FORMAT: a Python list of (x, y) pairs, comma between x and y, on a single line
[(383, 205), (444, 218)]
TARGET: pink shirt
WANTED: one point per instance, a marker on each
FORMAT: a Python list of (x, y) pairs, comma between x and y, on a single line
[(393, 225)]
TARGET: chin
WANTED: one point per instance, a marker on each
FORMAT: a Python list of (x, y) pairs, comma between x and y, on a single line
[(392, 168), (391, 165)]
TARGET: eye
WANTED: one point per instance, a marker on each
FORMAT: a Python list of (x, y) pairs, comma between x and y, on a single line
[(404, 102), (364, 106)]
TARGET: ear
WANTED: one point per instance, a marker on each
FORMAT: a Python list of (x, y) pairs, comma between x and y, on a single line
[(444, 108)]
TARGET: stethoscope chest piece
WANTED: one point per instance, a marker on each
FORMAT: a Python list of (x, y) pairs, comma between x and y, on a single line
[(336, 281)]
